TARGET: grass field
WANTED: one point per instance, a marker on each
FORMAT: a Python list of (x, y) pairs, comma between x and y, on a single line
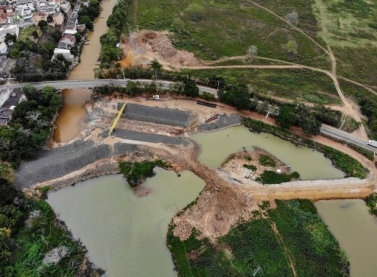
[(226, 28), (26, 33), (290, 238), (293, 84), (367, 102), (350, 28)]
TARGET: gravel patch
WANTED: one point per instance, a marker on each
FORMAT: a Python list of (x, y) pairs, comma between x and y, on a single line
[(222, 122), (157, 115), (63, 160), (139, 136), (124, 148)]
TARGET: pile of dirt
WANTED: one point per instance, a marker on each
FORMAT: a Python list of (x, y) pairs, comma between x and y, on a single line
[(144, 46)]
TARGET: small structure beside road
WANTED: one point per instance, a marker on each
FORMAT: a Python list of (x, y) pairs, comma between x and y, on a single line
[(6, 108)]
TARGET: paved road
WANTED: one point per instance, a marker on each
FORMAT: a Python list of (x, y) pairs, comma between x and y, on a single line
[(65, 84), (341, 135)]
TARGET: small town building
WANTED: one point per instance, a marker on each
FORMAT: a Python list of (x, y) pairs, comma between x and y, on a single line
[(6, 109), (4, 95), (81, 28), (7, 29), (38, 16), (65, 6), (65, 52), (67, 41), (58, 18)]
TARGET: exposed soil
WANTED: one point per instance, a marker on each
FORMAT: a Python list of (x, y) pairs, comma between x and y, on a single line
[(234, 165), (140, 48), (223, 202)]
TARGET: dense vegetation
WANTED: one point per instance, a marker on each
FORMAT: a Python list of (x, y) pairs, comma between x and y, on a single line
[(367, 102), (344, 162), (272, 177), (30, 125), (34, 57), (308, 240), (250, 167), (136, 172), (266, 160), (290, 236), (196, 27), (371, 202), (88, 14), (29, 230), (117, 23)]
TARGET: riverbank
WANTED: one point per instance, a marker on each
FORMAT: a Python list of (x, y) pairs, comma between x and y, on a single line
[(92, 144), (90, 53), (285, 246), (220, 206)]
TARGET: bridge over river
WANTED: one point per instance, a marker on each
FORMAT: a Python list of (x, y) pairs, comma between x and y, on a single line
[(75, 84)]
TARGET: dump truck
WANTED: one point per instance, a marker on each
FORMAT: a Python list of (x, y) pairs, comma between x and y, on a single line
[(372, 143)]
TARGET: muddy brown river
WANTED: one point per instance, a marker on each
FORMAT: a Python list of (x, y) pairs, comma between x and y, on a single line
[(73, 112), (311, 165), (125, 235), (71, 115), (90, 53), (355, 230)]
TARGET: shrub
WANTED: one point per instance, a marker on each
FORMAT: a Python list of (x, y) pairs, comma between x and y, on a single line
[(137, 172), (266, 160), (251, 167), (271, 177)]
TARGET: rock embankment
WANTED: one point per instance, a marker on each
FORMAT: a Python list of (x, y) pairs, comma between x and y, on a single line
[(147, 137), (66, 159), (222, 122), (157, 115)]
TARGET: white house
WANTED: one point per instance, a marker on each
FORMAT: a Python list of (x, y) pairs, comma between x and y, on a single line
[(65, 52), (71, 26), (7, 29), (24, 2), (4, 96), (65, 6), (67, 41)]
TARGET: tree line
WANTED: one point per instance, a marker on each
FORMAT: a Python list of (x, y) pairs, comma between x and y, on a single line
[(30, 126), (34, 62), (309, 119), (117, 23)]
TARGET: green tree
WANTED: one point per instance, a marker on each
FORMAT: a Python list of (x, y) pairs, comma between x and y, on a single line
[(309, 124), (190, 89), (50, 19), (131, 88), (156, 66), (87, 21), (8, 192), (10, 38), (42, 25), (35, 34), (286, 117), (77, 37)]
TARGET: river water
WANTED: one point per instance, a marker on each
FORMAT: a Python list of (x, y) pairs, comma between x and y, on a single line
[(71, 115), (125, 235), (90, 53), (73, 112), (311, 165), (356, 231)]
